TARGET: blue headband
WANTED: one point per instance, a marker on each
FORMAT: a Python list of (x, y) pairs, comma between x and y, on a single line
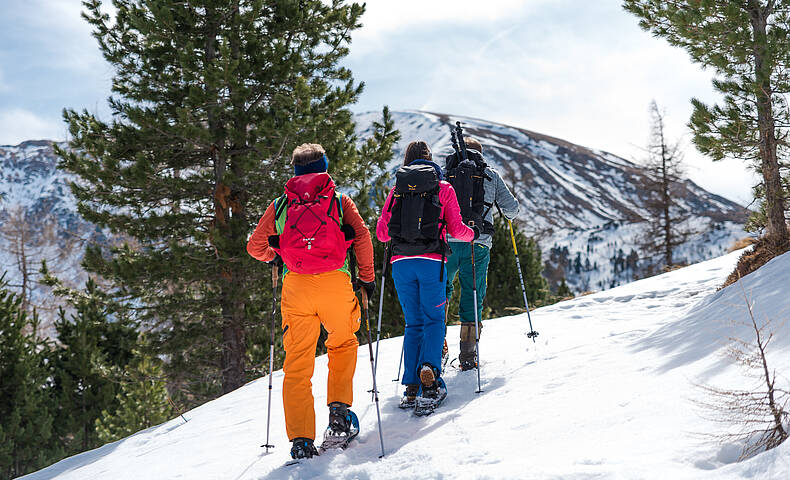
[(320, 165)]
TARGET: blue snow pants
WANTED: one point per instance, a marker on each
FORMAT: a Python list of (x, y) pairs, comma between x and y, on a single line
[(422, 298)]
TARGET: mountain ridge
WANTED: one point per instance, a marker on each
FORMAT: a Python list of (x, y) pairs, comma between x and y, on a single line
[(577, 201), (580, 203)]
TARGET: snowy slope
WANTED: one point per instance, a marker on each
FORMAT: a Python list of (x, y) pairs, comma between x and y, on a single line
[(579, 203), (605, 393)]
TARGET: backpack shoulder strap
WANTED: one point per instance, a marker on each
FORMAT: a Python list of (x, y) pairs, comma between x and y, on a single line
[(280, 207), (339, 197), (336, 199)]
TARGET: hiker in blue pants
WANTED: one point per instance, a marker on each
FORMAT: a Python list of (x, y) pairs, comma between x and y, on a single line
[(418, 212)]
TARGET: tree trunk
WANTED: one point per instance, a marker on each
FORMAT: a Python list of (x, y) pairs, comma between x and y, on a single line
[(774, 196), (231, 307), (665, 200)]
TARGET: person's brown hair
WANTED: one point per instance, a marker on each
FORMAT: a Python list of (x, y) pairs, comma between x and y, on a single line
[(418, 150), (473, 144), (307, 153)]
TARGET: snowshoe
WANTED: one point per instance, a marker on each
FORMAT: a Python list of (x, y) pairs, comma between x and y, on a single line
[(467, 364), (432, 393), (409, 398), (303, 448), (343, 427)]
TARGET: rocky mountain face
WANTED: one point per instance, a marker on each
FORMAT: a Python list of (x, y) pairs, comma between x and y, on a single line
[(584, 206), (39, 221)]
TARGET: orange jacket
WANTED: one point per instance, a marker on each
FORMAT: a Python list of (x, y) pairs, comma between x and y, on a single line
[(258, 244)]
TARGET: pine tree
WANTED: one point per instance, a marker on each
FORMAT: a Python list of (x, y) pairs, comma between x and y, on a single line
[(746, 43), (26, 428), (663, 188), (141, 403), (92, 342), (504, 293), (209, 99), (564, 291)]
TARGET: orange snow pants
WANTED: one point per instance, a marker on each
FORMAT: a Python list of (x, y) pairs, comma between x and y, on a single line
[(309, 301)]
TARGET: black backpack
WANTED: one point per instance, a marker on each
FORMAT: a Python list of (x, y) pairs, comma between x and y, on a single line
[(416, 226), (467, 177)]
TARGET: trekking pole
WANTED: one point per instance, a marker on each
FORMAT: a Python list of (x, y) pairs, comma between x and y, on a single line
[(381, 307), (364, 294), (400, 362), (532, 333), (477, 329), (275, 277)]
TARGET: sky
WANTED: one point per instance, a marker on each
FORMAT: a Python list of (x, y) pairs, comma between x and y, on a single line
[(579, 70)]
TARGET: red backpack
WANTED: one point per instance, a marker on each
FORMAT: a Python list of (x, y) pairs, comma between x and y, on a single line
[(311, 239)]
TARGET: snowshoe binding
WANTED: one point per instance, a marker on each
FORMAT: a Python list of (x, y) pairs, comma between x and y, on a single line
[(432, 393), (445, 354), (467, 364), (343, 427), (303, 448), (409, 398)]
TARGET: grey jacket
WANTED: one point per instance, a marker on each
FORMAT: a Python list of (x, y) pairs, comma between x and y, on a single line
[(495, 191)]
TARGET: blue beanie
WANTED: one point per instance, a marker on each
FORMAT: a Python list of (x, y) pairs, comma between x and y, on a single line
[(320, 165)]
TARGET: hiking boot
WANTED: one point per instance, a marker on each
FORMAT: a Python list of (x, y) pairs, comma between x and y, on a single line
[(339, 418), (303, 448), (428, 377), (433, 391), (409, 396), (467, 359)]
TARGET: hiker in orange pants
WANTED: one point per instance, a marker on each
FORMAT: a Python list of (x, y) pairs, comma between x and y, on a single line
[(309, 301), (311, 228)]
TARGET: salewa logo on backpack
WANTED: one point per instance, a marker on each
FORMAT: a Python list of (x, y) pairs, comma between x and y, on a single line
[(412, 187), (309, 242)]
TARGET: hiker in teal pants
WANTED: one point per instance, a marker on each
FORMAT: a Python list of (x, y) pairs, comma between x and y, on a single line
[(456, 264), (496, 196)]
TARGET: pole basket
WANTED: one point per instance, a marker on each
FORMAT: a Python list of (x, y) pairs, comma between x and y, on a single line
[(532, 334)]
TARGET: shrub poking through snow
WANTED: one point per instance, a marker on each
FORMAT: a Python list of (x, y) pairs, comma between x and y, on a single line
[(761, 414)]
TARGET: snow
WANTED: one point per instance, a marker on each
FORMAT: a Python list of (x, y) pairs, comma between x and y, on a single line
[(606, 392)]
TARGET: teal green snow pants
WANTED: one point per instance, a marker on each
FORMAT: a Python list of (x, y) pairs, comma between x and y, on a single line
[(460, 262)]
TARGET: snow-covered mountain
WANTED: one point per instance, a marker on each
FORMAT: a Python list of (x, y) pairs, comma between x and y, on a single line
[(38, 210), (583, 205), (608, 391)]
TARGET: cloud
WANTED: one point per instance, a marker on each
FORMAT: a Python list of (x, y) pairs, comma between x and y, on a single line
[(582, 71), (53, 33), (381, 19), (18, 125)]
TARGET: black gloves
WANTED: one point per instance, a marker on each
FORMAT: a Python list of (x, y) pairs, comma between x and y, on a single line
[(370, 287), (277, 261), (476, 229), (274, 241)]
